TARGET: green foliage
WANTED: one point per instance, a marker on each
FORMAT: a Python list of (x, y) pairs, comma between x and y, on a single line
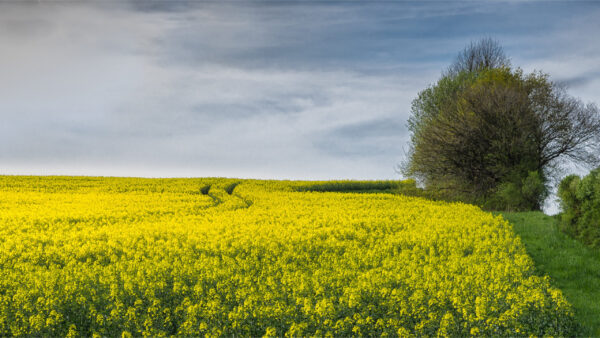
[(534, 190), (568, 200), (489, 134), (520, 194), (406, 187), (580, 202), (506, 197), (474, 139)]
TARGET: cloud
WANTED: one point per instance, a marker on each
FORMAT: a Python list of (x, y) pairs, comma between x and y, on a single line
[(253, 89), (580, 81), (382, 138), (372, 128), (312, 35)]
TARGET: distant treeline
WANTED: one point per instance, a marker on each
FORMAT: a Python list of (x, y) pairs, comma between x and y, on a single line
[(391, 186)]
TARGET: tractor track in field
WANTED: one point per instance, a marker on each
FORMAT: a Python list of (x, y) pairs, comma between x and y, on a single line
[(229, 189), (205, 190)]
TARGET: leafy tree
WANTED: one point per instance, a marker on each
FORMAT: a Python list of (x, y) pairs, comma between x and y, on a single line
[(489, 134)]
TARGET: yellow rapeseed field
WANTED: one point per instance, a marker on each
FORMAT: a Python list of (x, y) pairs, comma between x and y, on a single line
[(126, 256)]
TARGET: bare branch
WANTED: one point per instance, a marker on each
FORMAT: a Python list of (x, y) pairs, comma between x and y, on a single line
[(486, 53)]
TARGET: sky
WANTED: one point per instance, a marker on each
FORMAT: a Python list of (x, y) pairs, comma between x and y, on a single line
[(271, 89)]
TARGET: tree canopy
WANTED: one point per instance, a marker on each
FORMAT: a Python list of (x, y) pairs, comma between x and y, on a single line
[(489, 134)]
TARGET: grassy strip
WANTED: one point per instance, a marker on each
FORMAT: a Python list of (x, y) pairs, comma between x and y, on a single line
[(573, 267)]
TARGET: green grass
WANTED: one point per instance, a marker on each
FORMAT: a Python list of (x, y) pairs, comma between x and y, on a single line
[(573, 267)]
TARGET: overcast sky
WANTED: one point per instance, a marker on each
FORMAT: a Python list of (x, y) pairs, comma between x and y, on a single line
[(304, 90)]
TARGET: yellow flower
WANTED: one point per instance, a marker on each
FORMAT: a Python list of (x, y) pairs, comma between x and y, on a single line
[(214, 257)]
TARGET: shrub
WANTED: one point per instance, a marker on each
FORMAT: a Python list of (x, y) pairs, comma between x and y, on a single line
[(580, 203)]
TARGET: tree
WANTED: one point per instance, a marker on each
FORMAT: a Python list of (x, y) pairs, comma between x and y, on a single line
[(486, 53), (489, 134)]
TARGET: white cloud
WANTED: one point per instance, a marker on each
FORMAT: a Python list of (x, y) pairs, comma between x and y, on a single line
[(236, 90)]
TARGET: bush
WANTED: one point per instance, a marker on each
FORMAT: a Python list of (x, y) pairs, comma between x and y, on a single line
[(580, 203), (520, 192)]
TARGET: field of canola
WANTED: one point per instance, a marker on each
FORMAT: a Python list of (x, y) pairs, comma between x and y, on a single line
[(125, 256)]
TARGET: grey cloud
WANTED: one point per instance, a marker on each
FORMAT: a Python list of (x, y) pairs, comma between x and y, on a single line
[(168, 6), (259, 106), (382, 137), (258, 89), (374, 128), (580, 81), (25, 27), (309, 36)]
